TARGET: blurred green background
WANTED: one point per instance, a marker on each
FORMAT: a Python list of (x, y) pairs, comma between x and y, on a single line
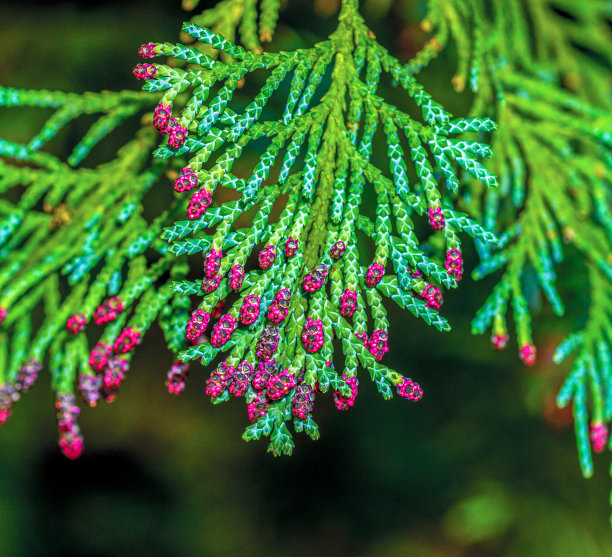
[(484, 465)]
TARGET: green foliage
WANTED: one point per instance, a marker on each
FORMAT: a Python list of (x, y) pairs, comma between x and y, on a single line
[(545, 78), (338, 169), (333, 125)]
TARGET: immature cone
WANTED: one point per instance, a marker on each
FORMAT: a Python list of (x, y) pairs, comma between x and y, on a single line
[(71, 443), (171, 124), (186, 181), (312, 335), (377, 345), (98, 357), (161, 117), (268, 343), (127, 339), (8, 395), (70, 439), (265, 370), (598, 433), (236, 277), (258, 407), (147, 50), (177, 136), (454, 263), (436, 219), (210, 284), (76, 323), (433, 296), (280, 384), (241, 379), (527, 353), (27, 375), (249, 311), (314, 280), (90, 386), (409, 389), (114, 372), (343, 402), (303, 401), (212, 263), (374, 274), (291, 247), (144, 71), (200, 201), (197, 324), (337, 250), (279, 308), (348, 303), (223, 330), (108, 311), (177, 375), (219, 379), (266, 257), (499, 340)]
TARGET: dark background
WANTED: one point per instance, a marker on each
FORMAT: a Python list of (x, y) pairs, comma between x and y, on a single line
[(484, 465)]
